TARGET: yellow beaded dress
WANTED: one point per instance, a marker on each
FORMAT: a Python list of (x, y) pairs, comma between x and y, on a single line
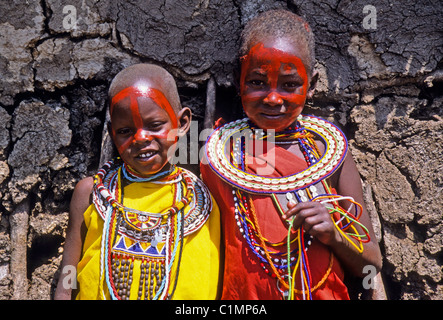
[(134, 255)]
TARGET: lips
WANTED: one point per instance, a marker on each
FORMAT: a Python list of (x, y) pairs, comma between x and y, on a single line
[(273, 116)]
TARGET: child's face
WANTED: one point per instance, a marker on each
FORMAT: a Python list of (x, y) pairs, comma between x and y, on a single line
[(274, 83), (140, 128)]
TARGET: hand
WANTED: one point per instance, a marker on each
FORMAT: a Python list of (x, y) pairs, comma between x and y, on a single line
[(315, 219)]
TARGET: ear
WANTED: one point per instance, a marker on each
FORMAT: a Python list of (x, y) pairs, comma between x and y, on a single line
[(312, 84), (109, 127), (184, 117)]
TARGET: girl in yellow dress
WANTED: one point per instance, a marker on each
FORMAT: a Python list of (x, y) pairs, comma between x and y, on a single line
[(142, 228)]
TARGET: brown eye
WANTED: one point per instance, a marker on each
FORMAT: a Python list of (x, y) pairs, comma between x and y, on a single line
[(291, 85), (124, 131), (156, 126), (257, 83)]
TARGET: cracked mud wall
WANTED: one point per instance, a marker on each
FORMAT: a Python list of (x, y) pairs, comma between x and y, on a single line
[(382, 83)]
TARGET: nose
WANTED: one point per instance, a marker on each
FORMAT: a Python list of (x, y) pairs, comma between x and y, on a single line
[(142, 136), (273, 99)]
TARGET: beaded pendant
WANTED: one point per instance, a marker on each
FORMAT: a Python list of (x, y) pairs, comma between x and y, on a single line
[(139, 248)]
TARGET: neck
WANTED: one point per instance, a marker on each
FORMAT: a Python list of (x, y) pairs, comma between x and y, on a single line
[(132, 176), (294, 127)]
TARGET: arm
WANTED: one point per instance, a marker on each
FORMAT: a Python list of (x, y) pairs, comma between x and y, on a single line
[(73, 244), (316, 220), (349, 184)]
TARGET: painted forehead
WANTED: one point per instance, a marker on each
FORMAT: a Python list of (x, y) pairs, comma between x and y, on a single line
[(297, 48), (137, 91), (271, 59)]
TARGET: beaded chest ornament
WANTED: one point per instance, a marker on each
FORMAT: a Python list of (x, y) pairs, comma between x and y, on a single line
[(226, 152), (143, 246)]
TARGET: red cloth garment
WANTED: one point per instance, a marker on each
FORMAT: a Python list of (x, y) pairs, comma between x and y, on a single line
[(244, 277)]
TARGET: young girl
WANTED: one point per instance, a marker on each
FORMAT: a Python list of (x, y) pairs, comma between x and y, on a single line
[(289, 192), (142, 228)]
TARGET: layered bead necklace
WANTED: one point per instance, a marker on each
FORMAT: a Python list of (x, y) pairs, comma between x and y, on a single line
[(226, 152), (143, 243)]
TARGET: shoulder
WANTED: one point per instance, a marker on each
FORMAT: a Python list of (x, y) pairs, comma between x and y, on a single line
[(85, 185), (83, 188), (81, 198), (347, 176), (208, 176), (334, 136), (204, 167)]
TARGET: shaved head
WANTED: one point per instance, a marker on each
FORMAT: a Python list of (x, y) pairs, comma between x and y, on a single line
[(147, 75), (275, 24)]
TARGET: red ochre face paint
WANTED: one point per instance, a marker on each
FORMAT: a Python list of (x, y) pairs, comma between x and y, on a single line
[(273, 84), (133, 93), (273, 63)]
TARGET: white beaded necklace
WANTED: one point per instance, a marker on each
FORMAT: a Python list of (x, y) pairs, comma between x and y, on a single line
[(336, 149)]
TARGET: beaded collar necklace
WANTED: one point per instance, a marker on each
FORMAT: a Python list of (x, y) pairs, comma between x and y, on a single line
[(336, 148), (148, 241)]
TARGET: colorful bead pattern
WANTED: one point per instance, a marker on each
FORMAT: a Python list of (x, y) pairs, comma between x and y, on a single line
[(218, 142), (249, 229), (155, 240), (228, 142)]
